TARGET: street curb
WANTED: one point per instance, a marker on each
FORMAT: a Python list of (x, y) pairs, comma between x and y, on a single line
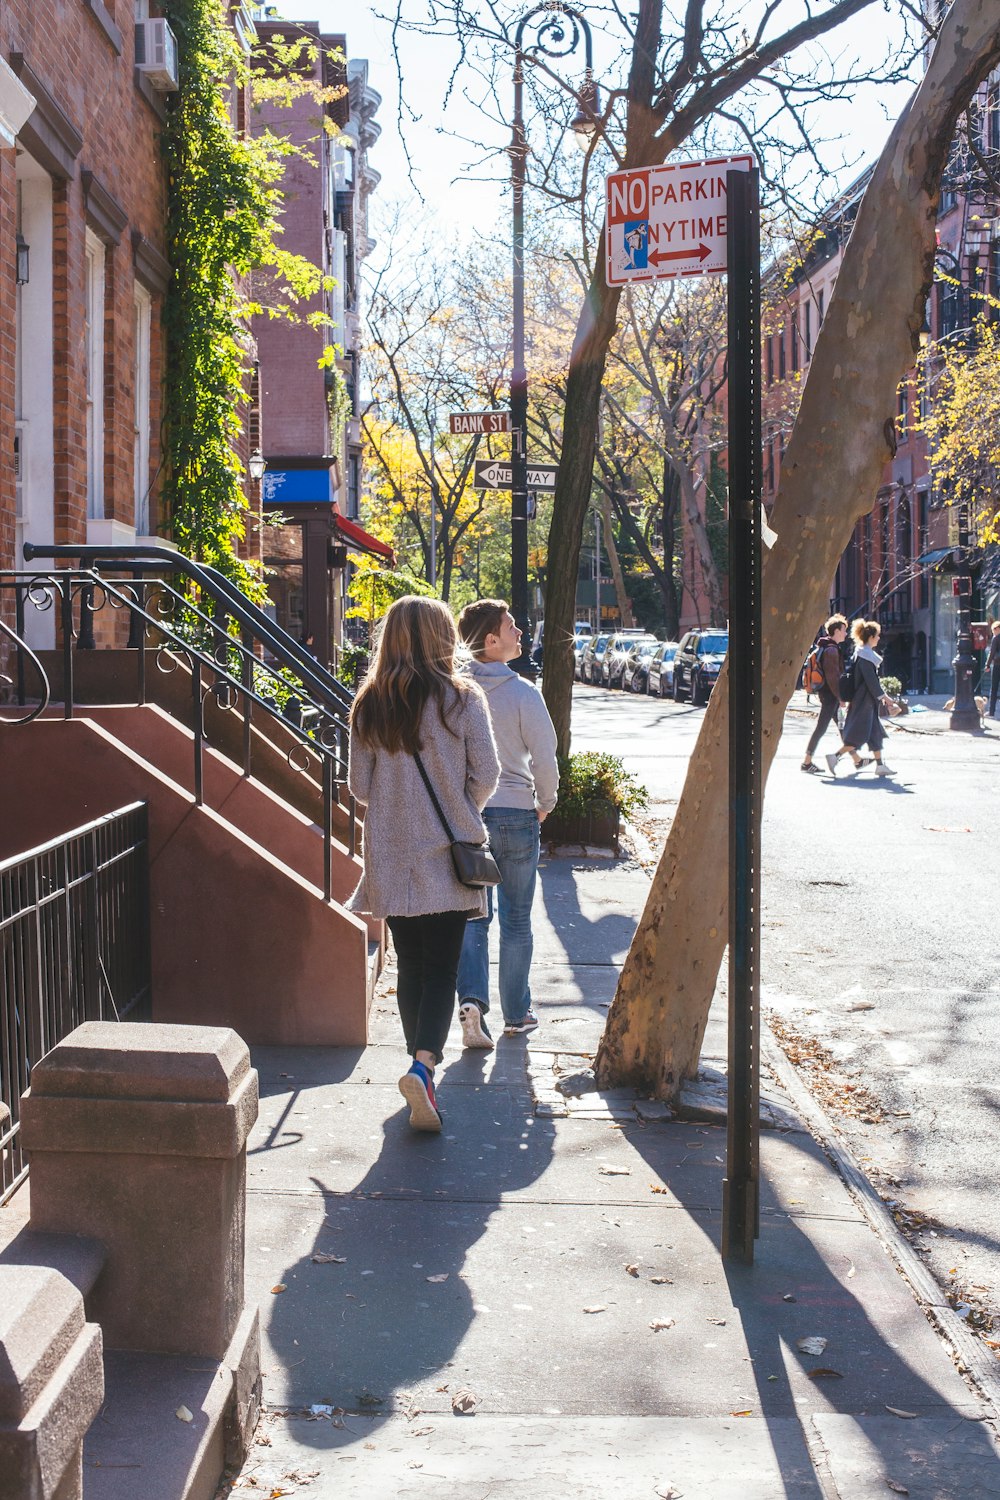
[(970, 1356)]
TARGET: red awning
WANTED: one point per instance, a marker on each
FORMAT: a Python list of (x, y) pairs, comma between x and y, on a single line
[(358, 537)]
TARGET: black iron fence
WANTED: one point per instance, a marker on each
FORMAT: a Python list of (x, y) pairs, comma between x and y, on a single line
[(74, 947)]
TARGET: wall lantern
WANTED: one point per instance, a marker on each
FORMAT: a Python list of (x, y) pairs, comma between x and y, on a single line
[(23, 261), (257, 463)]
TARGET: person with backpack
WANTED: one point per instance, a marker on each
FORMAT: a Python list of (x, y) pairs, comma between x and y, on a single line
[(861, 686), (992, 666), (821, 675)]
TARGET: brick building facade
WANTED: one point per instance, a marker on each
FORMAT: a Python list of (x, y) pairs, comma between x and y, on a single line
[(83, 200)]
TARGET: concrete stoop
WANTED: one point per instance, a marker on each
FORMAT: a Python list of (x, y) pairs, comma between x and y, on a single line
[(140, 1445), (275, 961)]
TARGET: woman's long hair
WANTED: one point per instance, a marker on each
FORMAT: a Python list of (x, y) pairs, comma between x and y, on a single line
[(414, 663)]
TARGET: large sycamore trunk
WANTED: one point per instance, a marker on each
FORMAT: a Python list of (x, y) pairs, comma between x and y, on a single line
[(830, 475)]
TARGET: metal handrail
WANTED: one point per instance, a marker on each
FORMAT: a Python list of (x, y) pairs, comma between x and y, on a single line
[(247, 614), (214, 673)]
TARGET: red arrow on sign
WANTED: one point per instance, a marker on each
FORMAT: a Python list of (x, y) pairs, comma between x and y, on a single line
[(657, 257)]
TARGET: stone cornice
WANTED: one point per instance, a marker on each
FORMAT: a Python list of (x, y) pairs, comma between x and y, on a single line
[(105, 214), (49, 134)]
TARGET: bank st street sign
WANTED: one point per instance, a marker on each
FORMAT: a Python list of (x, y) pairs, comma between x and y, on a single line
[(478, 423), (669, 220)]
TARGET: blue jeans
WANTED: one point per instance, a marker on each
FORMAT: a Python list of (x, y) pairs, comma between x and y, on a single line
[(514, 844)]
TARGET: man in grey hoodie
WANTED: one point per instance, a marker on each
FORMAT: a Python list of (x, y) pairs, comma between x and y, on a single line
[(529, 780)]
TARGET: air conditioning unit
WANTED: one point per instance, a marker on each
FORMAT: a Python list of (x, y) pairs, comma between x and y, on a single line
[(156, 53)]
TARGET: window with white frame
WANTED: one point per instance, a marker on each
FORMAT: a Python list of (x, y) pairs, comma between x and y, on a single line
[(143, 310), (94, 357)]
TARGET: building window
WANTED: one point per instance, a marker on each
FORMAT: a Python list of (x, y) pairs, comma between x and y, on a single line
[(770, 463), (769, 351), (808, 325), (143, 310), (94, 362), (821, 306), (904, 410), (793, 333), (948, 300), (781, 355)]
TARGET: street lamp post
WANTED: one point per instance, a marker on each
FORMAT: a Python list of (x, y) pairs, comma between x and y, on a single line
[(965, 715), (558, 31)]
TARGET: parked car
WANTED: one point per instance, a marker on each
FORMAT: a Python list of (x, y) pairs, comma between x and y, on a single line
[(581, 640), (698, 662), (590, 662), (660, 670), (637, 665), (616, 653)]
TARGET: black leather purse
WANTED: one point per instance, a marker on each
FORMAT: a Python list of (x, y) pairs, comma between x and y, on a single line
[(474, 864)]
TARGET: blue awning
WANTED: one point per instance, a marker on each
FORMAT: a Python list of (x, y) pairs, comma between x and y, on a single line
[(298, 487)]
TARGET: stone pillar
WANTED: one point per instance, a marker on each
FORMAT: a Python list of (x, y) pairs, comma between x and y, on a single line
[(51, 1384), (136, 1135)]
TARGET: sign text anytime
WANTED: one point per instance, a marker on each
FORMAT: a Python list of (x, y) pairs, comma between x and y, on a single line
[(669, 220)]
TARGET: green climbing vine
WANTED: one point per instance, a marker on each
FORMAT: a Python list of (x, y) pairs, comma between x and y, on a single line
[(224, 203)]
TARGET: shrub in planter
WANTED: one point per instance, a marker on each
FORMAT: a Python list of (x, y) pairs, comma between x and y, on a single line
[(595, 793)]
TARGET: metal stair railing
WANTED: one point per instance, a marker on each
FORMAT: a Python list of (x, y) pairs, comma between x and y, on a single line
[(223, 652)]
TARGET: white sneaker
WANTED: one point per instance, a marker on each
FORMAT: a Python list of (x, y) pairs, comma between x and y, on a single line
[(475, 1033), (831, 761), (883, 770)]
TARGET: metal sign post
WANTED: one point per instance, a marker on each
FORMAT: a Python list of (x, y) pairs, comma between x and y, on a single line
[(740, 1202)]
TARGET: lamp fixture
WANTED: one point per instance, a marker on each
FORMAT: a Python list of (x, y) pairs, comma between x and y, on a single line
[(584, 122), (257, 464), (23, 260)]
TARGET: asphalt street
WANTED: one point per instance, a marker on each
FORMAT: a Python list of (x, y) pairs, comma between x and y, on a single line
[(880, 962)]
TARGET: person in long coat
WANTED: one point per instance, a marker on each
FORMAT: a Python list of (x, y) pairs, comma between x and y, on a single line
[(863, 724), (414, 701)]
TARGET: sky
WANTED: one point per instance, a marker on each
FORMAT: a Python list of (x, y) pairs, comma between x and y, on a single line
[(445, 140)]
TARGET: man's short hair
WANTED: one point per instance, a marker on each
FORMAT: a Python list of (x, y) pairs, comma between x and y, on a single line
[(835, 622), (479, 620)]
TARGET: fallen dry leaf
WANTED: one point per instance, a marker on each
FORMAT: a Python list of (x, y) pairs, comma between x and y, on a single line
[(659, 1323), (812, 1345), (653, 1188), (464, 1403), (281, 1287), (596, 1308), (183, 1415), (719, 1322), (322, 1259), (668, 1492), (661, 1281), (900, 1489), (898, 1412), (441, 1276), (824, 1372), (607, 1171), (632, 1270), (747, 1413)]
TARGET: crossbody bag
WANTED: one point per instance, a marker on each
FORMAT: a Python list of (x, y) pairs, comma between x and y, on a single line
[(474, 864)]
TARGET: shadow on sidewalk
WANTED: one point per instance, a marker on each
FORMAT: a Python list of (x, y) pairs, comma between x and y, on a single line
[(381, 1332)]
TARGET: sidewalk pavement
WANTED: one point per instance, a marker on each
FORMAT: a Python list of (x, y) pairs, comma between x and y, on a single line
[(555, 1265)]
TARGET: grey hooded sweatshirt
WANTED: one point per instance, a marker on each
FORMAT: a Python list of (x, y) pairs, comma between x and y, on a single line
[(526, 739)]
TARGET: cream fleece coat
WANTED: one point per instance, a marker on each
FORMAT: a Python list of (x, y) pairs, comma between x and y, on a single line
[(406, 856)]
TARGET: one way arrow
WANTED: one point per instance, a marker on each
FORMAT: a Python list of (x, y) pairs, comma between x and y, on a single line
[(657, 257)]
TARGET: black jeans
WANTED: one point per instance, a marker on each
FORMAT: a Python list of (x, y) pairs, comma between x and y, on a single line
[(828, 706), (427, 949), (994, 686)]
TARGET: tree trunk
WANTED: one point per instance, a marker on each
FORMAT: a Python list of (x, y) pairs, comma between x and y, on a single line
[(830, 475), (705, 583), (624, 602)]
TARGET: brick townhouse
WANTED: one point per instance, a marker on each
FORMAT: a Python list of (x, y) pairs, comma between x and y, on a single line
[(310, 416), (85, 272)]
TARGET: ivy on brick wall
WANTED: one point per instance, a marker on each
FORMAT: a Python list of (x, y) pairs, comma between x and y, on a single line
[(223, 219)]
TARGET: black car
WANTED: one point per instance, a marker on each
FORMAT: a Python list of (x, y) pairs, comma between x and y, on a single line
[(698, 663)]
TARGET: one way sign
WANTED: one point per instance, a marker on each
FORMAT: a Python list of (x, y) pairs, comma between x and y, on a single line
[(493, 475)]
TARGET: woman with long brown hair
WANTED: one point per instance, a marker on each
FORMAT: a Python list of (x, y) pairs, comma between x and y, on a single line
[(863, 723), (414, 702)]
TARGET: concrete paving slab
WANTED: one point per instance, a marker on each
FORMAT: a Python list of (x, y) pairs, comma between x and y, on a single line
[(871, 1457), (535, 1458)]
